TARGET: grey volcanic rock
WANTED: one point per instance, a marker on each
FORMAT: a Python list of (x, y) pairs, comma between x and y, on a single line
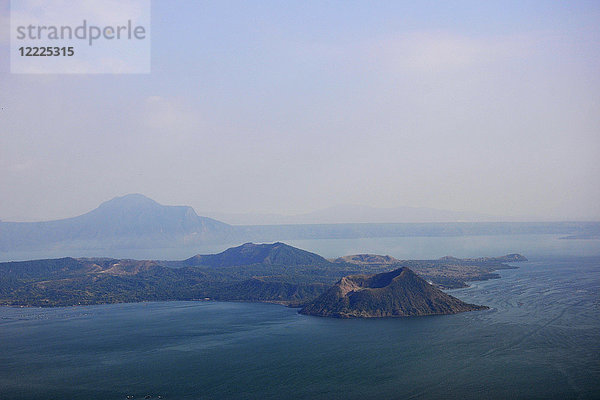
[(399, 293)]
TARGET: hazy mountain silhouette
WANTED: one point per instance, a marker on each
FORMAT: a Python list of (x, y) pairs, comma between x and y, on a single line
[(133, 220)]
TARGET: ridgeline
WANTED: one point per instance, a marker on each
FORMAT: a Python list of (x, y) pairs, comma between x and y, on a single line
[(276, 273)]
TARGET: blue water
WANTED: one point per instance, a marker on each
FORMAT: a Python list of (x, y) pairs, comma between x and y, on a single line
[(424, 247), (417, 247), (540, 339)]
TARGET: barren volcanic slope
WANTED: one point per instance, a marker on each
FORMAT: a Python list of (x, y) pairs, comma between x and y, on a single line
[(399, 293)]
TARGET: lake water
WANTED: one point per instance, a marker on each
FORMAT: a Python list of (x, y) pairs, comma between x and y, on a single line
[(417, 247), (540, 339), (428, 247)]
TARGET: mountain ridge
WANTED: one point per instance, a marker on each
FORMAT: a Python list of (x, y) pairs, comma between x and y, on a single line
[(249, 253), (136, 226), (275, 272)]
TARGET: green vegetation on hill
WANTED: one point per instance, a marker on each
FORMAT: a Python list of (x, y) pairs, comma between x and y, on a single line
[(250, 253), (251, 272)]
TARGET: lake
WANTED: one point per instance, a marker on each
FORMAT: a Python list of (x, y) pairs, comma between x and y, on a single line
[(540, 339)]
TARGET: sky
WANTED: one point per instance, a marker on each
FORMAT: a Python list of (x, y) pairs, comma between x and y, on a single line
[(293, 106)]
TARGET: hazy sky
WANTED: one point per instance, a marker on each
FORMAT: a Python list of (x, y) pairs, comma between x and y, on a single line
[(292, 106)]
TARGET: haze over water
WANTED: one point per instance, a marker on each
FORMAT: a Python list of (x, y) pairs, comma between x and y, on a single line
[(473, 110), (540, 339), (422, 247)]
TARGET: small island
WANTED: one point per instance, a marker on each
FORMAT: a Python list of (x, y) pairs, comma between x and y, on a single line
[(399, 293)]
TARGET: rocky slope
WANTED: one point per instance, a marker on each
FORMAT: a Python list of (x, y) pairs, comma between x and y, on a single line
[(399, 293)]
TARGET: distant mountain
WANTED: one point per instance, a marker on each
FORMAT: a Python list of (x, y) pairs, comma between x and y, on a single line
[(347, 213), (129, 221), (136, 226), (250, 253), (399, 293)]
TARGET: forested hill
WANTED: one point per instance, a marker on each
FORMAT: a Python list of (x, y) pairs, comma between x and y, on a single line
[(250, 253), (252, 272)]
